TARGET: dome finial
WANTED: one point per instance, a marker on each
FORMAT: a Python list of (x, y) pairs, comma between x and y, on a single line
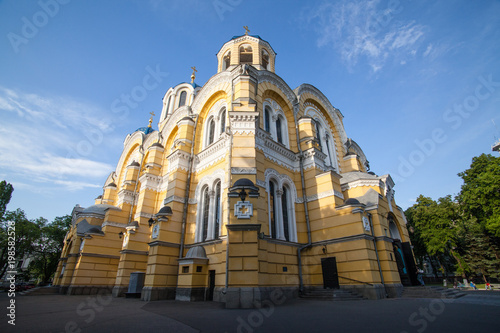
[(151, 119), (246, 30), (193, 76)]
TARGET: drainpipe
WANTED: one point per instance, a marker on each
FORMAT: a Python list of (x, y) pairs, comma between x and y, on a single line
[(306, 210), (226, 283), (376, 253), (141, 150), (188, 186)]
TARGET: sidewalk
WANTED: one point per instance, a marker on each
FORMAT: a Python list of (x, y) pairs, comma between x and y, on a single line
[(60, 313)]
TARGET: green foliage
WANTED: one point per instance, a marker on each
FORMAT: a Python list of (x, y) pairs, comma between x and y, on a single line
[(37, 240), (47, 249), (480, 194), (465, 229), (6, 190)]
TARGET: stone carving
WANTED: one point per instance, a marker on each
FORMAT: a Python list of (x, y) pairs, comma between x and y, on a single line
[(243, 210)]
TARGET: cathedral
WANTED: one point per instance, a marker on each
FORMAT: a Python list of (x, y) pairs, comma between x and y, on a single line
[(248, 189)]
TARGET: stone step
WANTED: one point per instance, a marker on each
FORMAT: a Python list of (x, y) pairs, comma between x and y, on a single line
[(430, 292), (40, 291), (331, 295)]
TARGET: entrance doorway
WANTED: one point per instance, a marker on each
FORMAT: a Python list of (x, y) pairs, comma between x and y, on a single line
[(330, 273), (211, 285)]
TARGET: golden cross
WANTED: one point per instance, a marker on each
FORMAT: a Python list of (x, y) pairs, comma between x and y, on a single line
[(193, 76), (151, 119), (246, 29)]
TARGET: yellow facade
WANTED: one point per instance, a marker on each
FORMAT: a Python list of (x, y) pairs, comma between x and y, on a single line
[(174, 208)]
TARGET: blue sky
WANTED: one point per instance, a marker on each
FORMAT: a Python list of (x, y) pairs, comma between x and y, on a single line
[(418, 82)]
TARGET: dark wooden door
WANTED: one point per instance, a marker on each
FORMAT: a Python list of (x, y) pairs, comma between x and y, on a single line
[(211, 285), (330, 274)]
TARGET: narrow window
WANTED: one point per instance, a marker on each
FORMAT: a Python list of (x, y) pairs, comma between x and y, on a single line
[(318, 133), (272, 213), (168, 105), (328, 152), (223, 121), (265, 59), (284, 210), (182, 99), (206, 210), (217, 211), (246, 54), (211, 131), (226, 61), (267, 119), (279, 135)]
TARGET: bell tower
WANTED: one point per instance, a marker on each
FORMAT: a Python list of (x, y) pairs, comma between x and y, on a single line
[(246, 49)]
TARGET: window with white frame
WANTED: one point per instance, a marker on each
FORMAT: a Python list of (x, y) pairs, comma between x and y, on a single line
[(281, 210), (275, 122), (209, 212), (182, 98), (215, 126), (226, 60), (326, 143)]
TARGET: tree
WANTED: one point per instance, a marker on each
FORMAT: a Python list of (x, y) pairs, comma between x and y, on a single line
[(26, 234), (6, 190), (480, 194), (436, 230), (47, 249)]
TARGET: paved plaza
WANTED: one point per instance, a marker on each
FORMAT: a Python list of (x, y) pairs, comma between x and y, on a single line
[(477, 311)]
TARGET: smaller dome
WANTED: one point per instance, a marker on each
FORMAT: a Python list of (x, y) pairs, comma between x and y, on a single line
[(157, 144), (145, 130), (352, 201), (196, 252), (243, 182), (134, 164), (164, 211)]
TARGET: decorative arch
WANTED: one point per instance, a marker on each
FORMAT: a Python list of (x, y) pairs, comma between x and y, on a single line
[(277, 122), (282, 196), (326, 136), (208, 196)]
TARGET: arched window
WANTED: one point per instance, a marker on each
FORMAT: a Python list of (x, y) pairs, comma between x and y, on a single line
[(168, 105), (272, 207), (246, 54), (226, 60), (318, 133), (209, 214), (267, 118), (279, 129), (205, 212), (211, 131), (217, 210), (329, 151), (281, 212), (182, 99), (284, 211), (222, 119), (265, 59)]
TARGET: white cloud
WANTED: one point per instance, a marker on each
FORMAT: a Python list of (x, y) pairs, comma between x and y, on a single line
[(39, 139), (365, 30)]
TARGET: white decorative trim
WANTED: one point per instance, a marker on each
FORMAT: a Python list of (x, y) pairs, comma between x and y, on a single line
[(126, 196), (314, 158), (214, 84), (275, 151), (178, 160), (366, 223), (363, 182), (321, 195), (243, 205), (114, 224), (173, 198), (333, 112), (244, 171), (261, 183), (266, 76), (210, 181), (243, 122), (150, 182), (213, 153)]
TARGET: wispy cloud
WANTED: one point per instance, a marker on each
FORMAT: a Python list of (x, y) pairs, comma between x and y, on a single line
[(365, 30), (39, 139)]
